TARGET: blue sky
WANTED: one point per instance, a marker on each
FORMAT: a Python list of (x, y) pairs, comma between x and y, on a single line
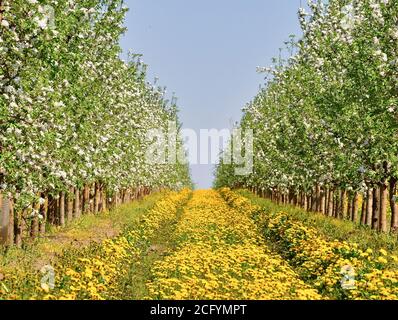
[(207, 52)]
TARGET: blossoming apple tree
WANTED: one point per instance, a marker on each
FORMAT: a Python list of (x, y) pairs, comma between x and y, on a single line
[(326, 122), (73, 115)]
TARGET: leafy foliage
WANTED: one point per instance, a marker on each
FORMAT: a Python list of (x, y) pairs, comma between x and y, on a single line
[(71, 111)]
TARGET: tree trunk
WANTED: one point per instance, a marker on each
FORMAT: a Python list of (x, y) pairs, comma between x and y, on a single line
[(34, 228), (61, 210), (5, 218), (90, 202), (376, 208), (76, 203), (102, 200), (363, 211), (290, 197), (86, 199), (369, 207), (43, 213), (305, 202), (18, 229), (52, 212), (97, 197), (69, 206), (342, 205), (123, 197), (318, 192), (330, 203), (295, 199), (115, 199), (11, 235), (355, 204), (348, 215), (324, 199), (314, 200), (393, 205), (383, 207), (336, 202)]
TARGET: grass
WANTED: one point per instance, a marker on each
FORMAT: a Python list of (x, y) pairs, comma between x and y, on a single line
[(162, 244), (331, 228), (77, 234), (81, 243)]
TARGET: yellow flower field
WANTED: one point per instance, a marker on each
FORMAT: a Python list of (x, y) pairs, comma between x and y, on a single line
[(212, 245), (95, 272), (338, 269), (222, 256)]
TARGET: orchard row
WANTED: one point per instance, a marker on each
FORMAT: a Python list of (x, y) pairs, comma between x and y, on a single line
[(326, 122), (73, 115)]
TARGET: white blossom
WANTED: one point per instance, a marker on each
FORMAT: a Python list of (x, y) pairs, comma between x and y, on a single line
[(5, 23)]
